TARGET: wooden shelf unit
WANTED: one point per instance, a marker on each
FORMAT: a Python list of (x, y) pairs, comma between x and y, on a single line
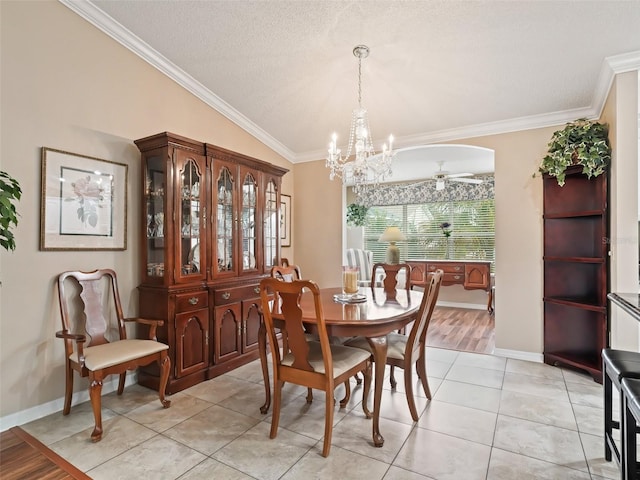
[(576, 271)]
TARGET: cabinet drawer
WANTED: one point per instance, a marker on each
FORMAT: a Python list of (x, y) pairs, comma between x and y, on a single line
[(453, 278), (446, 267), (235, 294), (191, 301)]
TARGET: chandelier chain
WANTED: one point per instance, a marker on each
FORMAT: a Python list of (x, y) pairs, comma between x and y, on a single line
[(360, 82), (366, 168)]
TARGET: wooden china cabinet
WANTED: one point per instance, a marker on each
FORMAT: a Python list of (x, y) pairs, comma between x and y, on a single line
[(210, 233), (576, 271)]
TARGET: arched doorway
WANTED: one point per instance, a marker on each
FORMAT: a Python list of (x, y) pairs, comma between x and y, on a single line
[(462, 321)]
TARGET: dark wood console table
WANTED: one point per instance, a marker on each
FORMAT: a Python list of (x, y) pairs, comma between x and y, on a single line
[(471, 274)]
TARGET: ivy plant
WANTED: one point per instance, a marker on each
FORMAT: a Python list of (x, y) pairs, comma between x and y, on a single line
[(582, 142), (10, 193), (356, 215)]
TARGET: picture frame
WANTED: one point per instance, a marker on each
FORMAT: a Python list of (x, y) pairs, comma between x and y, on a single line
[(83, 203), (285, 220)]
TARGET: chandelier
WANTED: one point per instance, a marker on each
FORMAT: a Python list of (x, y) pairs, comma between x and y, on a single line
[(364, 168)]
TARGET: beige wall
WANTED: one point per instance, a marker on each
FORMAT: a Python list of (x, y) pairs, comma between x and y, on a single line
[(66, 85), (621, 113)]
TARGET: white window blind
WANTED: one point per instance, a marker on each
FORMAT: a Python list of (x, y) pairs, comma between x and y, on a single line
[(472, 225)]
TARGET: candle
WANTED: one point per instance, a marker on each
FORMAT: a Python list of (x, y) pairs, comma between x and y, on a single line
[(349, 280)]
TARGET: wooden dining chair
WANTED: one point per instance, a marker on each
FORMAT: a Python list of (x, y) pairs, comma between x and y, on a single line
[(292, 272), (389, 279), (287, 272), (95, 338), (404, 351), (313, 364)]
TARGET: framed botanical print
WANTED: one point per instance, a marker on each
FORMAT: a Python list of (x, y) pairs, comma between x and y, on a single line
[(84, 202), (285, 220)]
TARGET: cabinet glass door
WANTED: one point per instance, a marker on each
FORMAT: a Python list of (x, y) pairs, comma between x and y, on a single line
[(249, 238), (271, 221), (224, 221), (154, 204), (190, 221)]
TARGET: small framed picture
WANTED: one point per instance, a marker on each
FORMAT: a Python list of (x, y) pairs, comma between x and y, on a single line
[(83, 204), (285, 220)]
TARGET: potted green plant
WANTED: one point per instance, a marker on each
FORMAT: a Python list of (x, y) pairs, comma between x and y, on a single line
[(582, 142), (356, 215), (10, 193)]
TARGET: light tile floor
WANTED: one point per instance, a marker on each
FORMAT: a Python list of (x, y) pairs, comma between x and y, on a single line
[(490, 418)]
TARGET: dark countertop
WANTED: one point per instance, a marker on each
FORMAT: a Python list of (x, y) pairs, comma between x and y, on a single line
[(629, 302)]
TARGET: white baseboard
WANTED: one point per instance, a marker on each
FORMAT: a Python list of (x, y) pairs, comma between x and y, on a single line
[(39, 411), (472, 306), (519, 355)]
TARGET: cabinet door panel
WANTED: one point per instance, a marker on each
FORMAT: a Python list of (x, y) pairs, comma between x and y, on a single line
[(271, 224), (252, 318), (476, 276), (418, 274), (192, 341), (249, 230), (228, 332), (226, 218), (154, 204), (190, 201)]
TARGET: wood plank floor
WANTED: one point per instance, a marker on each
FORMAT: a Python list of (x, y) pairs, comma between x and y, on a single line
[(25, 458), (462, 329)]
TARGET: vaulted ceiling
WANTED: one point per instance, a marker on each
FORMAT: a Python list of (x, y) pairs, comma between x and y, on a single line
[(438, 70)]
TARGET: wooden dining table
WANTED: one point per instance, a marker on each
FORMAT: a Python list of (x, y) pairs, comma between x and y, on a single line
[(373, 319)]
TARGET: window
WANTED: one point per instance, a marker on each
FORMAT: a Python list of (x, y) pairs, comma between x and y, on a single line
[(472, 230)]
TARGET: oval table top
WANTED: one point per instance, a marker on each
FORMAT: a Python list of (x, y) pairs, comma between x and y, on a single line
[(377, 316)]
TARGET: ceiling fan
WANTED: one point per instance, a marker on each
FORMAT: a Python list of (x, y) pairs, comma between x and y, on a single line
[(441, 176)]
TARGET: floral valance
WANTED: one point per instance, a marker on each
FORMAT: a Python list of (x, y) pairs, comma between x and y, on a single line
[(425, 192)]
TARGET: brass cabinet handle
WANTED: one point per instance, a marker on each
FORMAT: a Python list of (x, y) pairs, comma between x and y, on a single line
[(457, 277), (458, 269), (193, 300), (226, 296), (257, 289)]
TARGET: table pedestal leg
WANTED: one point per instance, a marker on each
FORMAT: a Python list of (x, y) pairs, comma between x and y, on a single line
[(262, 348), (379, 349)]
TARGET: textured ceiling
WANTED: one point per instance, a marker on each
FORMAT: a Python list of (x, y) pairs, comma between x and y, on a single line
[(438, 70)]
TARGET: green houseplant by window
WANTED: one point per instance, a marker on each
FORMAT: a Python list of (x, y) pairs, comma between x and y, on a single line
[(10, 192), (356, 215), (583, 142)]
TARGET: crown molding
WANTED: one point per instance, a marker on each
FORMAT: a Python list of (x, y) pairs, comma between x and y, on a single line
[(108, 25), (478, 130), (611, 66)]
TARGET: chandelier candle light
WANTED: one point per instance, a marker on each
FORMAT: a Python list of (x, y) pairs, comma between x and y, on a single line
[(365, 168)]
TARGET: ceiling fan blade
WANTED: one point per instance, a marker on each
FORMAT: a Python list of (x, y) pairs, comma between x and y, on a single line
[(475, 181), (457, 175)]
